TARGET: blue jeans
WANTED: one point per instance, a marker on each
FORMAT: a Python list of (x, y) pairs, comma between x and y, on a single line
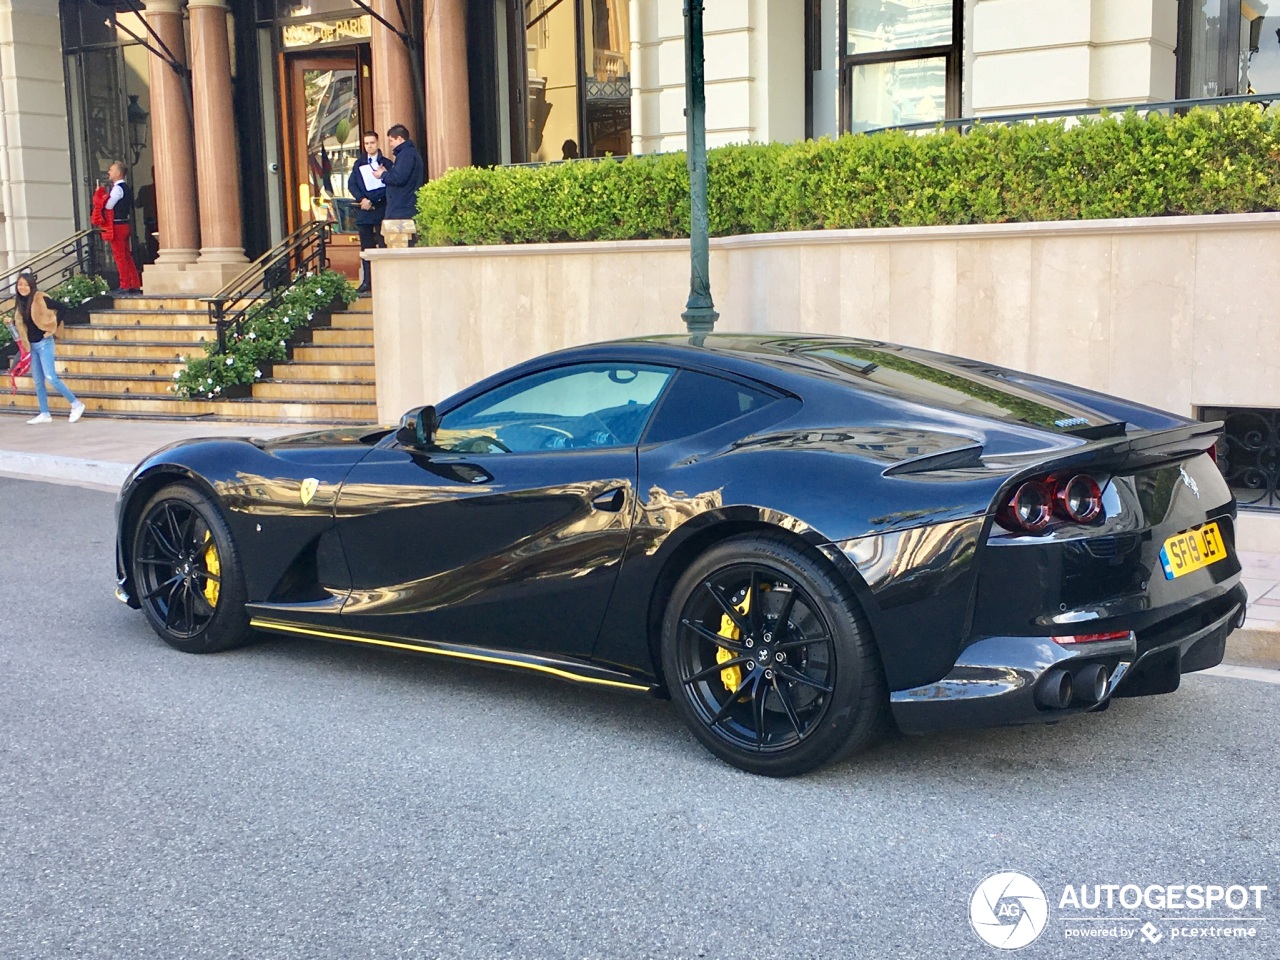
[(42, 369)]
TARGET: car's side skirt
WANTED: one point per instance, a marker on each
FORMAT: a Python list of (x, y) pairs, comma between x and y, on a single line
[(564, 669)]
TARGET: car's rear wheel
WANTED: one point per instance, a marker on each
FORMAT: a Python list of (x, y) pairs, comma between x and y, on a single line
[(769, 658), (186, 572)]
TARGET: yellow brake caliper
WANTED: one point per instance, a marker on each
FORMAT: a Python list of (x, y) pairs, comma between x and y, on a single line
[(731, 677), (214, 566)]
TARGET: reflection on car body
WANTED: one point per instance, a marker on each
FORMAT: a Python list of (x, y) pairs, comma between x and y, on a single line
[(796, 539)]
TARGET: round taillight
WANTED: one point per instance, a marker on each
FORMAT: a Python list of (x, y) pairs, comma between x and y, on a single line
[(1079, 499), (1029, 509)]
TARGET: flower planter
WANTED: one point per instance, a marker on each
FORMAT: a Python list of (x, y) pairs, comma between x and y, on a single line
[(236, 391), (323, 317), (80, 314), (7, 352)]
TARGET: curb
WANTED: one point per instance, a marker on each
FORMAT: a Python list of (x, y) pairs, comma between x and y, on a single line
[(42, 466), (1252, 647)]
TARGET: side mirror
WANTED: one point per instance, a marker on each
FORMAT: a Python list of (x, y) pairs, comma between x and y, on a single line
[(418, 427)]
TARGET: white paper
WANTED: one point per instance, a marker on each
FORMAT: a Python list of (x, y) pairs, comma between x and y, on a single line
[(370, 181)]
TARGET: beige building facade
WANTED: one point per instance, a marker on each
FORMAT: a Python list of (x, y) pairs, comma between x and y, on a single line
[(279, 90), (35, 166)]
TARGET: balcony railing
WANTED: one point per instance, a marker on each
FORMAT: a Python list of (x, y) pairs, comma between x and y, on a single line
[(1249, 454), (964, 124)]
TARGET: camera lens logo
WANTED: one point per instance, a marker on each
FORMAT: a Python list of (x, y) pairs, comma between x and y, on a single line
[(1008, 910)]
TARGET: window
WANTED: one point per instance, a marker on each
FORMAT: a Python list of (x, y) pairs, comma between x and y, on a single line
[(579, 78), (1227, 48), (575, 408), (900, 62), (698, 402)]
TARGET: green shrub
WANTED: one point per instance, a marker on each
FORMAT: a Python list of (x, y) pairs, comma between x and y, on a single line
[(1224, 160), (77, 289), (261, 339)]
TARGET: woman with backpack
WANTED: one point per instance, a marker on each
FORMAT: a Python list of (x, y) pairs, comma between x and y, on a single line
[(36, 317)]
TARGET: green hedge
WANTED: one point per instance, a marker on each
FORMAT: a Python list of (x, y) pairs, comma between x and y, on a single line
[(1207, 161)]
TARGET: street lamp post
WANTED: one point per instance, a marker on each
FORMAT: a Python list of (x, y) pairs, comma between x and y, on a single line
[(700, 312)]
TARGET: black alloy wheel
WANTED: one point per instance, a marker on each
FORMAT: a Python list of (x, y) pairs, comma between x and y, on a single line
[(769, 658), (186, 573)]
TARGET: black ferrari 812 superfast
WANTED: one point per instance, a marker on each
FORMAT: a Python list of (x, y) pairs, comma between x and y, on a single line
[(799, 539)]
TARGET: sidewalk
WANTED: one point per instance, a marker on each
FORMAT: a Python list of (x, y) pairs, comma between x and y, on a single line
[(100, 452)]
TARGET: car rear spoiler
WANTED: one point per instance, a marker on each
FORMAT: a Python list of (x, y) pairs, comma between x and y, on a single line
[(1133, 451)]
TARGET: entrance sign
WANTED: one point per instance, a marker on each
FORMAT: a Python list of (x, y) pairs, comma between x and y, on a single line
[(325, 31)]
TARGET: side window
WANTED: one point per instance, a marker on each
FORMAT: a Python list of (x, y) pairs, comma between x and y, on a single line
[(697, 402), (572, 408)]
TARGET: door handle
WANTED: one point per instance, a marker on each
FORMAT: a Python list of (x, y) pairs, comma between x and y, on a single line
[(610, 500)]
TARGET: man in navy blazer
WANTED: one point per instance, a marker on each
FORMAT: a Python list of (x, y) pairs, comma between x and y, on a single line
[(404, 177), (370, 195)]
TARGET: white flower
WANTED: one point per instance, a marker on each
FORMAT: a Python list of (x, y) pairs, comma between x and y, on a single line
[(252, 335), (256, 374), (231, 361), (177, 374), (217, 389)]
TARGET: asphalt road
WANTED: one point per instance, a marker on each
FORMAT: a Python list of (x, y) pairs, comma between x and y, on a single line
[(298, 799)]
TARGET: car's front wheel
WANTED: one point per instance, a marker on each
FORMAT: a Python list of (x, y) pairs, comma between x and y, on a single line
[(769, 658), (186, 572)]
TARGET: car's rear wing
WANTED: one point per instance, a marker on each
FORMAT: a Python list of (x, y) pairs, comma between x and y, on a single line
[(1133, 451)]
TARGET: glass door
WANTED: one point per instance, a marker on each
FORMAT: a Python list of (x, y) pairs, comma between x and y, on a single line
[(328, 109)]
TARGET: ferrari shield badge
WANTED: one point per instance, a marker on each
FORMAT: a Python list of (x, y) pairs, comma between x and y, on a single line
[(308, 489)]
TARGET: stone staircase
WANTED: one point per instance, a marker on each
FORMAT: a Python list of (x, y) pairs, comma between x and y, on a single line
[(122, 364)]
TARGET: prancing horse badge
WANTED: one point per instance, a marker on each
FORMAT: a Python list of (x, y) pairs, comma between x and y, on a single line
[(308, 489)]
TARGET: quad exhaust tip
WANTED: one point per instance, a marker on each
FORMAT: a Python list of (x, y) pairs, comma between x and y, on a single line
[(1091, 683), (1055, 690), (1059, 689)]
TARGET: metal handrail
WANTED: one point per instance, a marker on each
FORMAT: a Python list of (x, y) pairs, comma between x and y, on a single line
[(265, 281), (964, 124), (65, 259)]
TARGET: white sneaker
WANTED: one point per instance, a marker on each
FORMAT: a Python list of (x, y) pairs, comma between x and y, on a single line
[(43, 418), (77, 411)]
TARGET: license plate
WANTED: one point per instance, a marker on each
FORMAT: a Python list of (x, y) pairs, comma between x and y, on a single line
[(1192, 550)]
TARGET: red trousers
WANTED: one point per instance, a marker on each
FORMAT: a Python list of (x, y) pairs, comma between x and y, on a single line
[(122, 250)]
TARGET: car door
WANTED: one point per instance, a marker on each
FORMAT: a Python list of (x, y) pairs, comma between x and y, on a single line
[(508, 530)]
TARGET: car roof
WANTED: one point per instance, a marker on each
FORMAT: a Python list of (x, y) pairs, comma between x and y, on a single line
[(771, 356), (811, 365)]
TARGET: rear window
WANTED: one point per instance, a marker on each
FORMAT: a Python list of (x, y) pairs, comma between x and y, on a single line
[(953, 386), (697, 402)]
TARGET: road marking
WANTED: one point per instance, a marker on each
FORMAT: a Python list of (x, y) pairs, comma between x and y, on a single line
[(1243, 673)]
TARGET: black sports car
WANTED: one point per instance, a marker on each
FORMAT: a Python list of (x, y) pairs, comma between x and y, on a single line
[(795, 538)]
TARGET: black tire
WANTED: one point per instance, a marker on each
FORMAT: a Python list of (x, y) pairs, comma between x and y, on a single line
[(187, 574), (822, 695)]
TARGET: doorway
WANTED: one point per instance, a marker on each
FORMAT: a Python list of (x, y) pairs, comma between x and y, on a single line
[(328, 106)]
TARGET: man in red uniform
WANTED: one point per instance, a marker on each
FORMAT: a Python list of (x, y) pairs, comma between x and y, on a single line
[(120, 203)]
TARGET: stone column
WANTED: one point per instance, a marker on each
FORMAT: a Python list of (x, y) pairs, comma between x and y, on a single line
[(173, 149), (392, 76), (448, 94), (217, 159)]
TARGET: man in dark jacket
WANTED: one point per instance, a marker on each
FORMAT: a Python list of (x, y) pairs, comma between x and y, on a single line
[(370, 195), (404, 177)]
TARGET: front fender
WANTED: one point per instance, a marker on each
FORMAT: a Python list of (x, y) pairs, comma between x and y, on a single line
[(280, 509)]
